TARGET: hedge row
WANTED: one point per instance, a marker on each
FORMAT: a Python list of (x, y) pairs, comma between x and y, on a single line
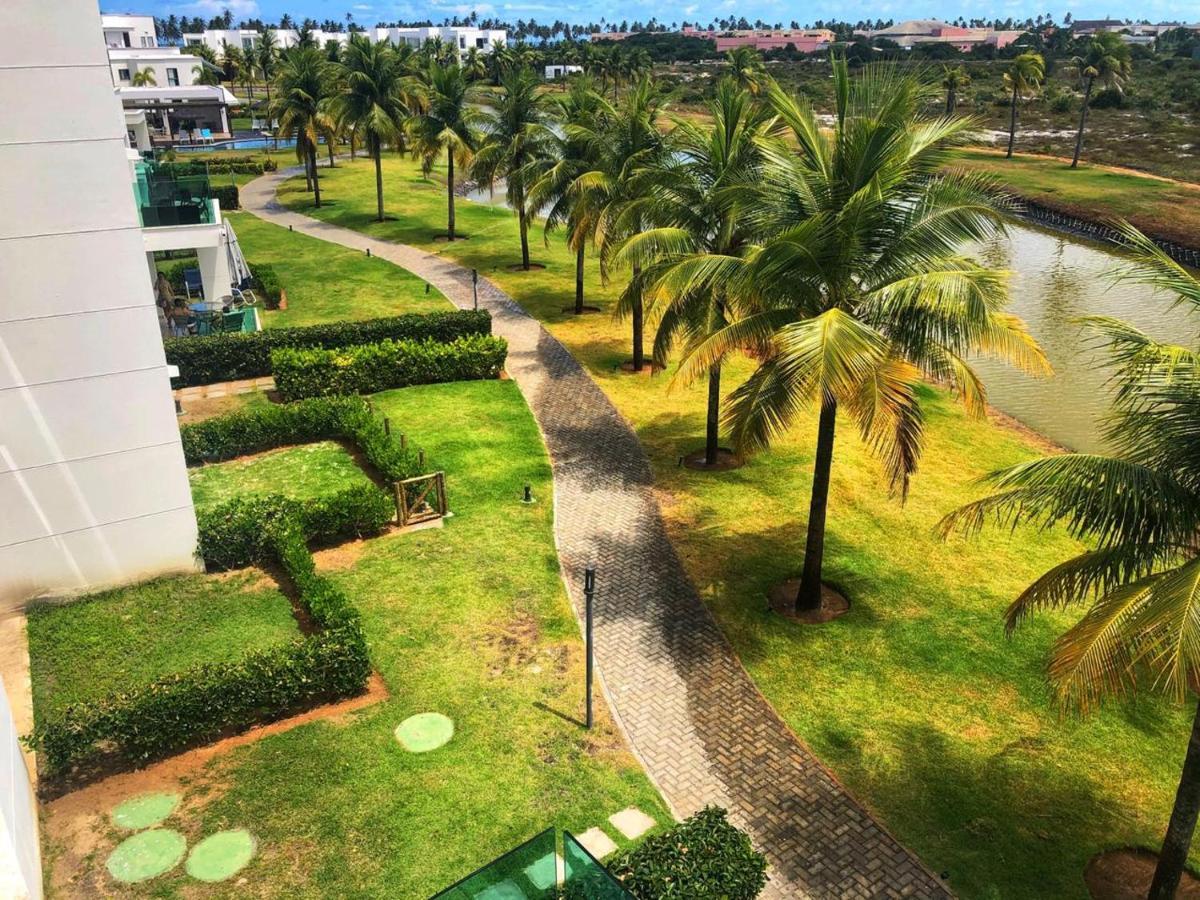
[(219, 165), (702, 858), (208, 700), (227, 195), (367, 368), (281, 424), (228, 357)]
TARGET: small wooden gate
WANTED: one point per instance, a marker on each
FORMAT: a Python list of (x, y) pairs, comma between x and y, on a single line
[(420, 499)]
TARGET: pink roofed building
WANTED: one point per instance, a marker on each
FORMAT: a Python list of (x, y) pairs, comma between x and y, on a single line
[(804, 40)]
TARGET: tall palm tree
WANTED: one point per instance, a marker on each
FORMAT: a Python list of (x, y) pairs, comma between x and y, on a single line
[(266, 54), (1105, 59), (371, 102), (232, 61), (1022, 79), (514, 136), (1140, 508), (445, 120), (624, 145), (205, 74), (698, 198), (144, 78), (746, 68), (554, 188), (474, 65), (860, 288), (302, 90), (954, 79)]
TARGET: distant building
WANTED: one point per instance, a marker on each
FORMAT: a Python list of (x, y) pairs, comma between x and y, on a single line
[(1092, 26), (168, 66), (561, 71), (933, 31), (464, 38), (803, 40), (129, 31), (484, 40)]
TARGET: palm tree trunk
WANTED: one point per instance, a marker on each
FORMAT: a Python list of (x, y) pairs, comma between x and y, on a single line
[(1183, 822), (312, 154), (524, 225), (378, 148), (1083, 113), (809, 596), (450, 192), (1012, 124), (329, 143), (950, 101), (579, 280), (713, 419), (639, 356), (270, 125)]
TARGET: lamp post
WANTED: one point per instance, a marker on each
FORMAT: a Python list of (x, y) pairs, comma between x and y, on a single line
[(475, 287), (589, 593)]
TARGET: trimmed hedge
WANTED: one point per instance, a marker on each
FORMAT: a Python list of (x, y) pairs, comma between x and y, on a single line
[(267, 283), (702, 858), (227, 196), (367, 368), (208, 700), (316, 419), (228, 357)]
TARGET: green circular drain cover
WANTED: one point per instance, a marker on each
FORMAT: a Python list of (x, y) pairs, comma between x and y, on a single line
[(221, 855), (424, 732), (146, 855), (145, 810)]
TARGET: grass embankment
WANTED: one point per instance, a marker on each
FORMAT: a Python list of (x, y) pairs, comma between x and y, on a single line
[(1160, 207), (944, 728)]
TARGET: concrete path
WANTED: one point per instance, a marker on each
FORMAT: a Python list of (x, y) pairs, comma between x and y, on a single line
[(690, 712)]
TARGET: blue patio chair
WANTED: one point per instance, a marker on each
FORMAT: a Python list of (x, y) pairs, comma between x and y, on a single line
[(206, 134), (193, 282)]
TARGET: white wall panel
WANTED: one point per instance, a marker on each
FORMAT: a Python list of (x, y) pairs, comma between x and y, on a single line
[(72, 115)]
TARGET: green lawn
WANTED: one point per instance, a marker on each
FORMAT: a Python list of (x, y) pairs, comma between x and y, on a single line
[(470, 620), (124, 638), (944, 728), (309, 470), (326, 283)]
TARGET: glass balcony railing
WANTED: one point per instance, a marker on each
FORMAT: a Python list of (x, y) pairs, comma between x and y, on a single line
[(167, 197)]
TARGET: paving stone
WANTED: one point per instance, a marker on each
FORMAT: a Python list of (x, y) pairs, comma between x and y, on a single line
[(677, 690), (631, 822), (596, 842)]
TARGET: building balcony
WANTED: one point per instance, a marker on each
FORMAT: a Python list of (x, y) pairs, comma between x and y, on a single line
[(165, 198)]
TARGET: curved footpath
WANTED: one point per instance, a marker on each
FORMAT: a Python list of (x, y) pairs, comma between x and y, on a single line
[(687, 707)]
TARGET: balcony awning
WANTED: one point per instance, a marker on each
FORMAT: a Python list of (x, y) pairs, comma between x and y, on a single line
[(171, 96)]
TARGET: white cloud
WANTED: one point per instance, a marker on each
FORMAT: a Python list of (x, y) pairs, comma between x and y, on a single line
[(689, 10), (363, 7)]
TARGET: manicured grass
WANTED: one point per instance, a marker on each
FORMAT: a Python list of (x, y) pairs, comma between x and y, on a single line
[(124, 638), (327, 283), (1160, 207), (945, 729), (309, 470), (471, 621)]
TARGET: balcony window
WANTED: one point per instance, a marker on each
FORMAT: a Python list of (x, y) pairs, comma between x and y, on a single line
[(480, 43), (173, 77), (123, 74)]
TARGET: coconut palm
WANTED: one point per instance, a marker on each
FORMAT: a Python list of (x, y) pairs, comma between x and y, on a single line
[(144, 78), (553, 189), (232, 61), (372, 103), (1139, 507), (746, 68), (205, 74), (445, 120), (514, 136), (698, 199), (474, 65), (954, 79), (302, 91), (1105, 59), (861, 287), (623, 145), (266, 54), (1022, 79)]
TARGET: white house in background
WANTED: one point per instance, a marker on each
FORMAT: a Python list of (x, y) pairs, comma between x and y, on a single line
[(171, 67), (175, 115), (216, 38), (129, 31), (464, 38), (561, 71), (93, 486), (290, 37)]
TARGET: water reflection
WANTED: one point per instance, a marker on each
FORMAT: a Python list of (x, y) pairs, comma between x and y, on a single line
[(1057, 279)]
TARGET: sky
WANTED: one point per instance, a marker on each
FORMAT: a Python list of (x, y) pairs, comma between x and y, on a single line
[(368, 12)]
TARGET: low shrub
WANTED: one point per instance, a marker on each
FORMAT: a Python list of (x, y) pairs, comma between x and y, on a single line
[(227, 196), (267, 284), (367, 368), (228, 357), (702, 858)]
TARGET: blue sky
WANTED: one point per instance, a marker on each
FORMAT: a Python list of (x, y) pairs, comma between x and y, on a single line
[(367, 12)]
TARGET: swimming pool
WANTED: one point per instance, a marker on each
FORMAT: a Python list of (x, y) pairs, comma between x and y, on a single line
[(238, 144)]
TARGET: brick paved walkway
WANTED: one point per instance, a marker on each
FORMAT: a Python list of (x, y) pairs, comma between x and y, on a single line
[(691, 714)]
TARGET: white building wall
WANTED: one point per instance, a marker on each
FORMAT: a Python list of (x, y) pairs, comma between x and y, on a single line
[(215, 38), (20, 856), (129, 31), (93, 486), (158, 61)]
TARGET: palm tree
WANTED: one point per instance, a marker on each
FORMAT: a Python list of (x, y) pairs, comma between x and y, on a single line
[(144, 78), (205, 74), (1105, 59), (266, 54), (746, 68), (474, 65), (623, 145), (514, 137), (445, 120), (1140, 507), (860, 288), (371, 101), (954, 79), (1022, 79), (302, 89), (232, 61), (554, 189), (697, 199)]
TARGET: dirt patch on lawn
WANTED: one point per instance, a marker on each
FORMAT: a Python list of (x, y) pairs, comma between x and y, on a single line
[(1126, 875)]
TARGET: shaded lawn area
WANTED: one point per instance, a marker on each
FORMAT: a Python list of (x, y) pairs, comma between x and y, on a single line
[(127, 637), (1166, 209), (941, 726), (470, 620), (301, 472), (327, 283)]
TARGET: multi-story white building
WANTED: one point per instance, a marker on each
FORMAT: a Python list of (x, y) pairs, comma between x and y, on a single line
[(216, 38), (464, 38), (129, 31), (93, 486), (168, 66)]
